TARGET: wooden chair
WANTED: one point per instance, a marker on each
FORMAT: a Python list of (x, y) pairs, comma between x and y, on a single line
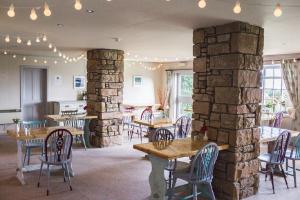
[(58, 145), (32, 143)]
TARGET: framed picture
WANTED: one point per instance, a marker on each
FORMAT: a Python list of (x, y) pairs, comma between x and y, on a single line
[(79, 82), (137, 81)]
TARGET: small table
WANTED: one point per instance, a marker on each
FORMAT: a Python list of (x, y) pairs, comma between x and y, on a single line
[(35, 133), (87, 119), (155, 124), (159, 154)]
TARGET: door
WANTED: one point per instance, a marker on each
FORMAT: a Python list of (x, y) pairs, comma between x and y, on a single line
[(33, 93)]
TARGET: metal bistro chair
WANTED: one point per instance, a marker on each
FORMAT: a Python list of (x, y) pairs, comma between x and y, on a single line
[(293, 155), (276, 157), (69, 112), (182, 127), (199, 172), (58, 147), (278, 119), (127, 121), (146, 115), (163, 134), (32, 143), (79, 124)]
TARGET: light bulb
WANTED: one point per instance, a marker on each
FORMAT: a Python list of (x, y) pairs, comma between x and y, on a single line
[(47, 11), (5, 52), (11, 11), (45, 61), (64, 56), (55, 62), (35, 60), (277, 11), (54, 50), (19, 41), (24, 58), (33, 15), (37, 40), (14, 56), (7, 39), (28, 43), (44, 38), (202, 3), (50, 46), (78, 5), (60, 54), (237, 8)]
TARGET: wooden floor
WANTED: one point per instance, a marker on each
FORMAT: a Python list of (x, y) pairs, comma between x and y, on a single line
[(117, 173)]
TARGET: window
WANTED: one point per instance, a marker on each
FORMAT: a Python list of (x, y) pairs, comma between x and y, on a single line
[(184, 92), (275, 95)]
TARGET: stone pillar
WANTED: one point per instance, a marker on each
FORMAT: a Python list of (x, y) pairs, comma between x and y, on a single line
[(227, 64), (105, 94)]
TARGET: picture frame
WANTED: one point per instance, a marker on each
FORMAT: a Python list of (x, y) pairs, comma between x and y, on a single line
[(79, 82), (137, 81)]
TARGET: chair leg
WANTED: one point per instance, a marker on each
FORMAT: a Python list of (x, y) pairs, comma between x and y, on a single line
[(284, 176), (41, 169), (48, 179), (211, 192), (294, 173), (266, 174), (26, 152), (83, 141), (195, 192), (286, 164), (170, 180), (64, 170), (272, 178), (68, 176), (28, 156), (171, 190)]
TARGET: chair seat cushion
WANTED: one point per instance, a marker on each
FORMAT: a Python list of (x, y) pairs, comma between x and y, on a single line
[(180, 165), (266, 157)]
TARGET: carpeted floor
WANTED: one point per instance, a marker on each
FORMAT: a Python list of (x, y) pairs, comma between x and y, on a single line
[(116, 173)]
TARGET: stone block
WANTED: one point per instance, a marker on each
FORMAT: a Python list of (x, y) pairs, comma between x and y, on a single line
[(219, 48), (251, 95), (237, 109), (202, 97), (253, 62), (199, 65), (244, 43), (197, 125), (249, 122), (198, 36), (223, 38), (231, 121), (245, 78), (228, 95), (201, 107), (219, 108), (229, 61), (109, 92), (196, 51), (212, 134), (223, 136), (222, 80), (240, 137)]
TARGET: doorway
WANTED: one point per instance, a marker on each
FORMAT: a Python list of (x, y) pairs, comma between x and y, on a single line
[(33, 92)]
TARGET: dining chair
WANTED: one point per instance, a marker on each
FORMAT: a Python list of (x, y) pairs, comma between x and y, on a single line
[(79, 124), (163, 134), (278, 119), (32, 143), (69, 112), (199, 172), (276, 158), (182, 127), (127, 121), (293, 155), (147, 115), (58, 147)]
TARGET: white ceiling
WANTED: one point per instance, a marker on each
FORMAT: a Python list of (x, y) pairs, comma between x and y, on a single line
[(149, 28)]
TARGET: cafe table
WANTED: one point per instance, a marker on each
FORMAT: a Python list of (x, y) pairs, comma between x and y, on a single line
[(154, 124), (161, 152), (59, 119), (34, 133)]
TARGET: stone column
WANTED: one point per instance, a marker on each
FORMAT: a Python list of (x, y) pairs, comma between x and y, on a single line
[(105, 94), (227, 64)]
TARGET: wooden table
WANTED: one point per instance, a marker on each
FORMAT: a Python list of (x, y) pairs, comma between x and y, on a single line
[(154, 124), (159, 154), (35, 133), (87, 119)]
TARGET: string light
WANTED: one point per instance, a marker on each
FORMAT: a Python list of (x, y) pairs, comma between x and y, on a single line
[(54, 50), (55, 62), (19, 41), (44, 38), (78, 5), (35, 60), (237, 8), (33, 15), (14, 56), (47, 11), (24, 58), (11, 11), (277, 12), (5, 52), (29, 43), (202, 4), (7, 39), (37, 40), (50, 46)]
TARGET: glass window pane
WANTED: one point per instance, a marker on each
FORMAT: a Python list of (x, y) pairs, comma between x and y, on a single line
[(268, 94), (268, 83), (277, 72), (186, 85), (277, 84), (269, 72)]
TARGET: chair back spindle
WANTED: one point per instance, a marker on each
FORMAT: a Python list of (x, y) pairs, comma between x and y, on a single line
[(163, 134), (280, 147), (182, 127), (147, 114), (278, 119)]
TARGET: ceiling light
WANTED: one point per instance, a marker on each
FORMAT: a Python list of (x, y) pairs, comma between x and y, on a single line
[(277, 11), (5, 52), (89, 11), (19, 41), (202, 4), (24, 58), (44, 38), (28, 43), (14, 56), (35, 60), (11, 11), (47, 11), (237, 8), (45, 61), (60, 54), (37, 40), (33, 15), (7, 39), (78, 5), (50, 46), (54, 50), (55, 62)]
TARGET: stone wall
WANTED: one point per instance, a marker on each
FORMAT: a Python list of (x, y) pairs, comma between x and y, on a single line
[(105, 69), (227, 64)]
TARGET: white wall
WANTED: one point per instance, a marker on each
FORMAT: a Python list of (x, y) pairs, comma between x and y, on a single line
[(10, 80)]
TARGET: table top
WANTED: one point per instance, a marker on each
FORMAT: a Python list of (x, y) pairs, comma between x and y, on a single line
[(39, 133), (65, 117), (175, 149), (269, 134), (158, 123)]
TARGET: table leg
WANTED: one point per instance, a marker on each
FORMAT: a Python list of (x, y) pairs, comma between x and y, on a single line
[(157, 179), (87, 133), (20, 175)]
